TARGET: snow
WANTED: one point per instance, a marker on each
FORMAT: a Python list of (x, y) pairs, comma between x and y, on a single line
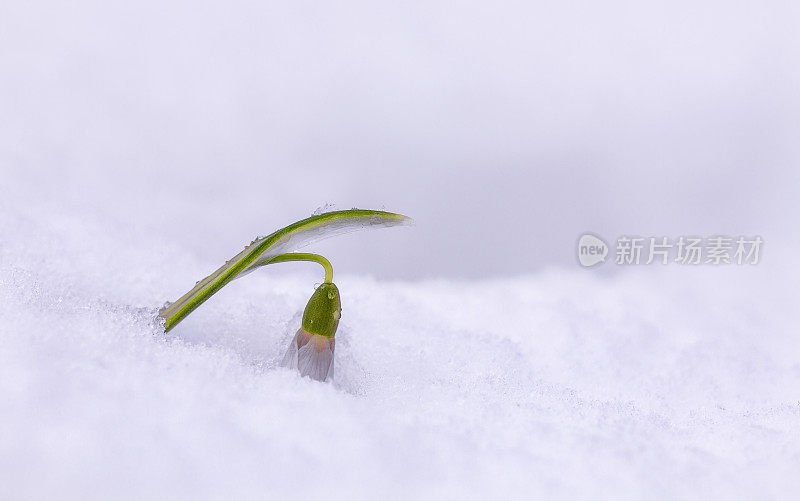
[(565, 383)]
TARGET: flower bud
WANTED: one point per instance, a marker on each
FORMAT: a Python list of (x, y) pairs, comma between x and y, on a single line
[(311, 349), (322, 313)]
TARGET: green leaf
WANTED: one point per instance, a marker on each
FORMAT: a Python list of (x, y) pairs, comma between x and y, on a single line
[(262, 249)]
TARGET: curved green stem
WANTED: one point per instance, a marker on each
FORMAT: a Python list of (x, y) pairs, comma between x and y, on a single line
[(300, 256)]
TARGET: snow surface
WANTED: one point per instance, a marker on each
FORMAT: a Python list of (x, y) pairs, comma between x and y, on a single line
[(566, 383)]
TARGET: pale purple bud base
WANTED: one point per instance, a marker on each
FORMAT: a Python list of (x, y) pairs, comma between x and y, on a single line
[(311, 355)]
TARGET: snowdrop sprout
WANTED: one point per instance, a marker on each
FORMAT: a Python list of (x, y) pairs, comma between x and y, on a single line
[(311, 349)]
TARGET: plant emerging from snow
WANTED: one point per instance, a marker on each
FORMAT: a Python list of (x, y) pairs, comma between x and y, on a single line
[(311, 349)]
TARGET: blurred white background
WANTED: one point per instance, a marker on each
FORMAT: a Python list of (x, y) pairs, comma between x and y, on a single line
[(498, 126)]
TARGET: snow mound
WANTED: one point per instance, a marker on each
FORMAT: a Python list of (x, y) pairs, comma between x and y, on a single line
[(564, 384)]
